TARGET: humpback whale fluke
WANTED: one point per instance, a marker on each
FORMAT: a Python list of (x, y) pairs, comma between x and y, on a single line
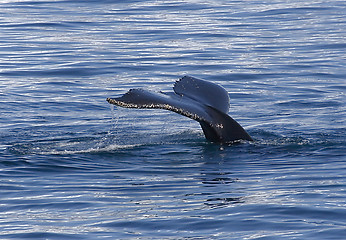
[(203, 101)]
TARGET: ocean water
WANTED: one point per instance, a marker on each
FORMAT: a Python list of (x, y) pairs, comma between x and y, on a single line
[(74, 167)]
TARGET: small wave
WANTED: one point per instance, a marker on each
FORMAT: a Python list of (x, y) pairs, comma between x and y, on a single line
[(111, 142), (320, 145), (105, 142), (67, 146), (292, 10), (109, 148)]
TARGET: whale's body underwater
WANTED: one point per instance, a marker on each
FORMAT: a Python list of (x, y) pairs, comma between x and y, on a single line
[(203, 101)]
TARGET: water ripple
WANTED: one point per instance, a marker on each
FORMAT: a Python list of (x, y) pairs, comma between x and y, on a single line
[(72, 168)]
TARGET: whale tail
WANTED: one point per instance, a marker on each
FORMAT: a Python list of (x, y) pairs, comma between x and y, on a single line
[(203, 101)]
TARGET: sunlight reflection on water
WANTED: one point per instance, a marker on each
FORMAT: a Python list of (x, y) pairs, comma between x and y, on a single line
[(71, 167)]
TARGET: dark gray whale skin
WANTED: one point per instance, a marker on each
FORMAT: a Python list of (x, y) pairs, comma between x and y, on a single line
[(203, 101)]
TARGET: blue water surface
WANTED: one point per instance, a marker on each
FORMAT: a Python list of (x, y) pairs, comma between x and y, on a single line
[(73, 167)]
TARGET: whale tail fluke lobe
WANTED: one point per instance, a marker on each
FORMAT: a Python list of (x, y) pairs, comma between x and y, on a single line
[(205, 92), (203, 101)]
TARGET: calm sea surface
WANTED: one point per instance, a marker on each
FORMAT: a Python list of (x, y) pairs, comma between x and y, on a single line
[(73, 167)]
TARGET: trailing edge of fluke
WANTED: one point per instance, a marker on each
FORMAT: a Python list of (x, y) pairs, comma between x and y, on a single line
[(203, 101)]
